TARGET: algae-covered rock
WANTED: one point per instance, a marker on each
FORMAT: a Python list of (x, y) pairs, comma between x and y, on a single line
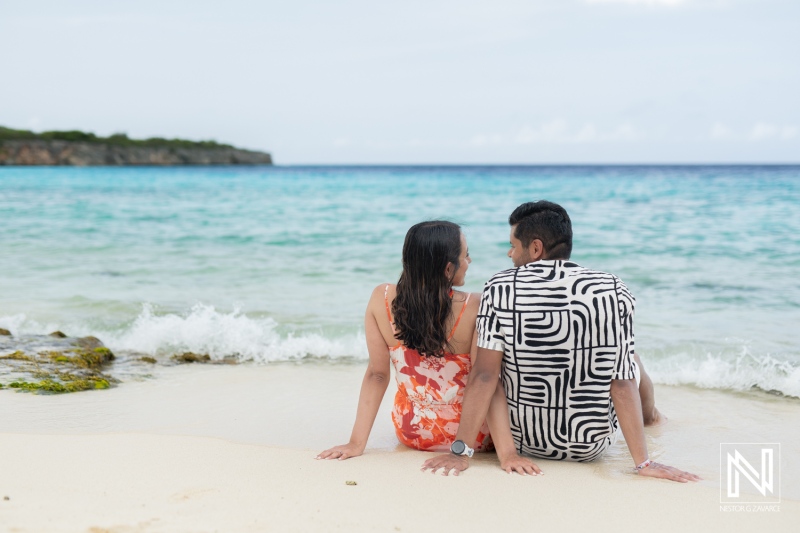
[(189, 357), (55, 364), (89, 343), (147, 359), (5, 332), (49, 385), (58, 335)]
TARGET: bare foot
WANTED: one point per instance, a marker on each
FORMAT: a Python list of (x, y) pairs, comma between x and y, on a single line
[(655, 419)]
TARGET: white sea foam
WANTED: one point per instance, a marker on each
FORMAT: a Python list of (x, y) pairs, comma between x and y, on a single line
[(740, 372), (204, 330)]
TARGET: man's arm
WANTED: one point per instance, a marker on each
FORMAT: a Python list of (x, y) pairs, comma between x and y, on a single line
[(628, 404), (477, 396)]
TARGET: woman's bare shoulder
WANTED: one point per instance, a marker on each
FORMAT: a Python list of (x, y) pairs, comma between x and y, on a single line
[(381, 287), (472, 304), (378, 293)]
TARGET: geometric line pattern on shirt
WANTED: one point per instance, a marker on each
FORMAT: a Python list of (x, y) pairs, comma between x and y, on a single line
[(566, 332)]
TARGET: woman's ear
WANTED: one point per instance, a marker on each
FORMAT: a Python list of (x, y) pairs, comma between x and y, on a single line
[(450, 270)]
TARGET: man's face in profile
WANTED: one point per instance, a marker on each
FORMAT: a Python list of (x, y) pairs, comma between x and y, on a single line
[(518, 253)]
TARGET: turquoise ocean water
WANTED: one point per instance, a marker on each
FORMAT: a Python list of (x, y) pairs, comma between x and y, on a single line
[(276, 263)]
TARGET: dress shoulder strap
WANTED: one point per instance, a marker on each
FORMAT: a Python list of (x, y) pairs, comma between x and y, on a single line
[(388, 310), (453, 331)]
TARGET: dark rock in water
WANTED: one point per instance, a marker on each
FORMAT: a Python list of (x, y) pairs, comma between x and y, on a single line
[(59, 335), (89, 343), (189, 357), (5, 332), (47, 363), (151, 360)]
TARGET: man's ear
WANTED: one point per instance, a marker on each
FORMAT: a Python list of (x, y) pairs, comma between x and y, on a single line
[(536, 250)]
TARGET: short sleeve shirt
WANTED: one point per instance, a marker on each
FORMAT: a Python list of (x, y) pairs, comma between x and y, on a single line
[(565, 332)]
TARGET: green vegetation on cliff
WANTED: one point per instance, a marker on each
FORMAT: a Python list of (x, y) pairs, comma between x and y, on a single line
[(118, 139)]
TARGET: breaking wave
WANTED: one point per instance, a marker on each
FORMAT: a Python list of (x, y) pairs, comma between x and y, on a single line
[(205, 330)]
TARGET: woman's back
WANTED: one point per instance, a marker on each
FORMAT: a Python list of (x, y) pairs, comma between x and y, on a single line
[(430, 389)]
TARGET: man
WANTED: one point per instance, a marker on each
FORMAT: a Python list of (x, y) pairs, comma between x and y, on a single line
[(560, 337)]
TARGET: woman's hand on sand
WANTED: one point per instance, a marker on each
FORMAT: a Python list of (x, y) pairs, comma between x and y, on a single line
[(521, 465), (667, 472), (448, 462), (345, 451)]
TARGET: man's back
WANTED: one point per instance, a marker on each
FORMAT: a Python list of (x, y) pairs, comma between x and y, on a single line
[(565, 332)]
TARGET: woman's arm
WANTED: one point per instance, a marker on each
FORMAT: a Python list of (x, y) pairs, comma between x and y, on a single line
[(373, 387)]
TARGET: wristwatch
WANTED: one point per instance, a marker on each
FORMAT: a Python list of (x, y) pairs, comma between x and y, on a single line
[(460, 448)]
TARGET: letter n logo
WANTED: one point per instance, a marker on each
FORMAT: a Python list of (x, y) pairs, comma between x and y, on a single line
[(749, 472)]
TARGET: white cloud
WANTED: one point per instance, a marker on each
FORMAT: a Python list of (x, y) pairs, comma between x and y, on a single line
[(342, 141), (666, 3), (486, 140), (559, 131), (788, 132), (720, 132), (763, 131)]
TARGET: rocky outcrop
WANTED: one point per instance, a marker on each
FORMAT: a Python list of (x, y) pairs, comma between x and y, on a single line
[(69, 153), (54, 364)]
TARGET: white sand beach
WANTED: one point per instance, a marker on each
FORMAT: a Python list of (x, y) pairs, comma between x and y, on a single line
[(202, 449)]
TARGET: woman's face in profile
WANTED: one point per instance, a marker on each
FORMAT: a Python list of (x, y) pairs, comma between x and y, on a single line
[(463, 263)]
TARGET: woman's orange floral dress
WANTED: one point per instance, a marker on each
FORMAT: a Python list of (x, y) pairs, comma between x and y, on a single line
[(430, 393)]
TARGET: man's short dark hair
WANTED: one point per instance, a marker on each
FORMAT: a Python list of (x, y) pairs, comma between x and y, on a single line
[(547, 222)]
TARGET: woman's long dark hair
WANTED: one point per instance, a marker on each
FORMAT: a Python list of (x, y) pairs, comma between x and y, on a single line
[(423, 304)]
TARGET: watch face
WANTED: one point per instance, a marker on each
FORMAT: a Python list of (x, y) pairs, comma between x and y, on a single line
[(458, 447)]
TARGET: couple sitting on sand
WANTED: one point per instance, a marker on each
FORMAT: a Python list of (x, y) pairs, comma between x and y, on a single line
[(541, 364)]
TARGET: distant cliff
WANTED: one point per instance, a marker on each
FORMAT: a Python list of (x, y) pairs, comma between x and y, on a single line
[(76, 148)]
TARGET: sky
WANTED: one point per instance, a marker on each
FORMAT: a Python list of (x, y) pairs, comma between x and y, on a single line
[(417, 82)]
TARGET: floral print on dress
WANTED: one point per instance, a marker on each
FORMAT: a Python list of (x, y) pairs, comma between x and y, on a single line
[(430, 394)]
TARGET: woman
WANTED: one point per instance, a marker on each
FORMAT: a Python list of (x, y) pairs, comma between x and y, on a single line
[(427, 331)]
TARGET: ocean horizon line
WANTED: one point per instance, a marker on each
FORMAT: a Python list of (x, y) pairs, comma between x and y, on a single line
[(422, 166)]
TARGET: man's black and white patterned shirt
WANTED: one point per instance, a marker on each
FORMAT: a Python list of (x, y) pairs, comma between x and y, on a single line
[(565, 332)]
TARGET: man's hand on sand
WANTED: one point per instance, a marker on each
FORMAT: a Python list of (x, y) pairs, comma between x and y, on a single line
[(448, 462), (345, 451), (521, 465), (667, 472)]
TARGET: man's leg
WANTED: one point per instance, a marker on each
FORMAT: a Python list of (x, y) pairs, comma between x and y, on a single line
[(650, 414)]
